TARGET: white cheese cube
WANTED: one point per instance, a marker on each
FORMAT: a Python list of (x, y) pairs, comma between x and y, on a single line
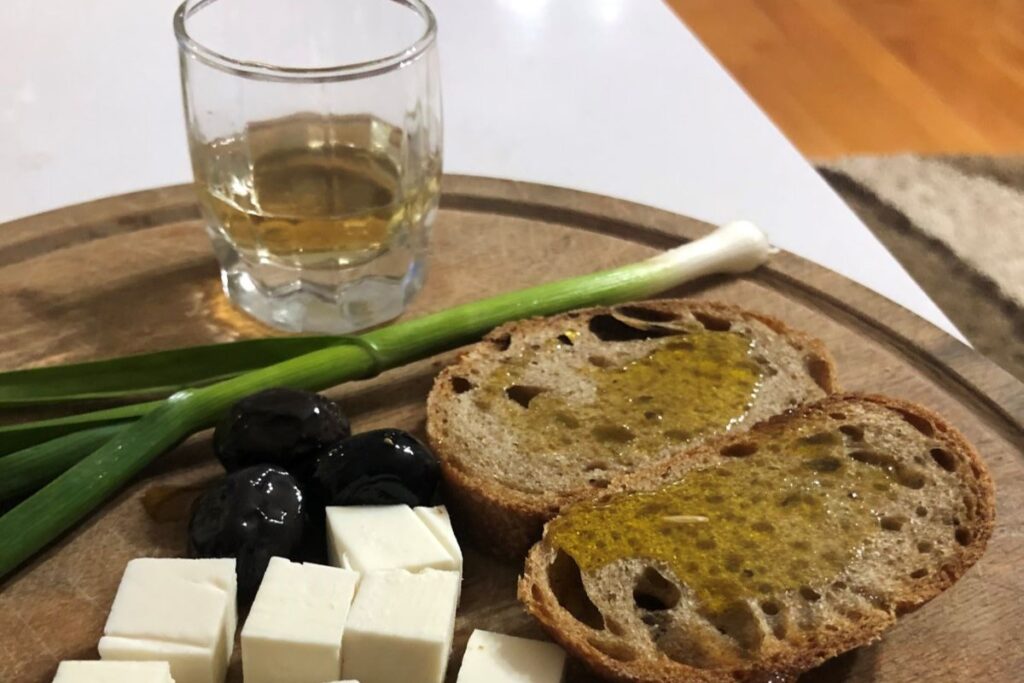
[(294, 630), (370, 538), (440, 524), (218, 572), (401, 626), (187, 662), (496, 658), (178, 611), (113, 672)]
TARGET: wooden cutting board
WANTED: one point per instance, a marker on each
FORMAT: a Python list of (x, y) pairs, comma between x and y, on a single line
[(135, 273)]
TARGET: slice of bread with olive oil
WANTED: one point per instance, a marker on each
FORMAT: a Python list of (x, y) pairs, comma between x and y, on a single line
[(547, 410), (755, 556)]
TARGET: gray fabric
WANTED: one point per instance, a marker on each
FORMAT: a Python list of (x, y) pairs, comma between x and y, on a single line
[(957, 226)]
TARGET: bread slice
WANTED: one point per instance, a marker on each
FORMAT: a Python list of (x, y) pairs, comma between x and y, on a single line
[(545, 410), (761, 555)]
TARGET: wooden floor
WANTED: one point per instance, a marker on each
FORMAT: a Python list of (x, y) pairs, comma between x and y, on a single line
[(876, 76)]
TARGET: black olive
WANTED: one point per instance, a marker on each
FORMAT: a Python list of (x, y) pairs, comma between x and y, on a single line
[(382, 467), (282, 427), (251, 515)]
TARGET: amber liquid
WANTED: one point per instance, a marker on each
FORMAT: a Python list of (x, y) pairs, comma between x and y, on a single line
[(311, 191)]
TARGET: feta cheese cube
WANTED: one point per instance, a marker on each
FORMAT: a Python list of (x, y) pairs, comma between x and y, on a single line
[(440, 524), (401, 626), (113, 672), (294, 630), (370, 538), (496, 658), (187, 662), (216, 572), (178, 611)]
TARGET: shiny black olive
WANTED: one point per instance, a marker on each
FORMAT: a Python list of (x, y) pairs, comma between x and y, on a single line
[(382, 467), (251, 515), (282, 427)]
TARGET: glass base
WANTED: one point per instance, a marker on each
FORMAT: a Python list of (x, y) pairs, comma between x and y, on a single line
[(329, 301)]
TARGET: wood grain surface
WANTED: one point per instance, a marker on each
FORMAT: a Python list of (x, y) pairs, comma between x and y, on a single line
[(876, 76), (135, 273)]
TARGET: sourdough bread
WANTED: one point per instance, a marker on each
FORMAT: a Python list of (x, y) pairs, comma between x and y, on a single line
[(756, 556)]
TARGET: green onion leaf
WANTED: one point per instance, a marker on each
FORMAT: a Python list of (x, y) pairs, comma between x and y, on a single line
[(151, 374), (20, 436), (31, 468)]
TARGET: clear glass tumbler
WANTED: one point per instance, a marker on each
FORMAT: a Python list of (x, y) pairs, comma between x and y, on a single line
[(315, 133)]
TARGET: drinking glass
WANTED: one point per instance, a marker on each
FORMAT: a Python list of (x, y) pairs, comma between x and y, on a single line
[(314, 128)]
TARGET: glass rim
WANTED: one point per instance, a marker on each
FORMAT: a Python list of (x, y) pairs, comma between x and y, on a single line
[(270, 72)]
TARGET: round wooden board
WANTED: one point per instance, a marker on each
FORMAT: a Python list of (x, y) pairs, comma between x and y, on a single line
[(135, 273)]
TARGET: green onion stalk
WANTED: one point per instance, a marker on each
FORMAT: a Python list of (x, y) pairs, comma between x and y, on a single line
[(151, 374), (22, 436), (26, 470), (53, 509)]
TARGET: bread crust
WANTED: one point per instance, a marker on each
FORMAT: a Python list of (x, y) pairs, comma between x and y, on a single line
[(539, 599), (505, 522)]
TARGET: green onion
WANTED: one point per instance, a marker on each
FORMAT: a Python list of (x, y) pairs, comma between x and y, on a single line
[(151, 374), (42, 517), (26, 470), (19, 436)]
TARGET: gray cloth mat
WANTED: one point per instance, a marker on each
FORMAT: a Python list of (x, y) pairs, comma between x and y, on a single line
[(956, 224)]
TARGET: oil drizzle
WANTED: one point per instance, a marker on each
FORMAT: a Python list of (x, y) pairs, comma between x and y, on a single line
[(693, 384), (789, 515)]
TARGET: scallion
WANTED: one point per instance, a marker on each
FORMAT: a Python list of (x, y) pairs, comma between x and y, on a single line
[(151, 374), (28, 469), (42, 517), (20, 436)]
